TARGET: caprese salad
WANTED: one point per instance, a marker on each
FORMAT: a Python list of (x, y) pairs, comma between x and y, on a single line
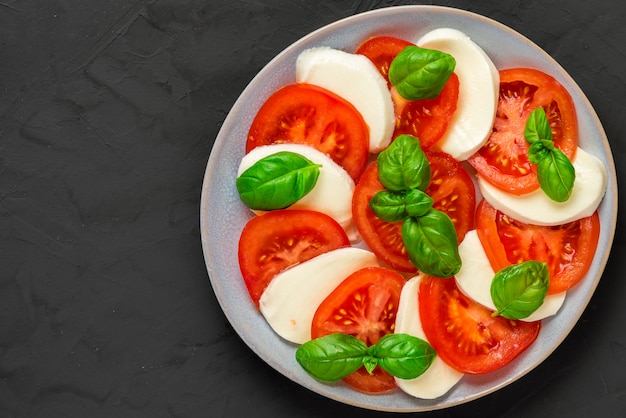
[(418, 211)]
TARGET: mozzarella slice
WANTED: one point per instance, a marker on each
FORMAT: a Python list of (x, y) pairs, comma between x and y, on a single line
[(538, 209), (332, 193), (479, 84), (474, 279), (439, 378), (355, 78), (290, 300)]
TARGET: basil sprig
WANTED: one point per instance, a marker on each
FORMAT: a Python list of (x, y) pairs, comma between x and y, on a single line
[(403, 165), (520, 289), (428, 234), (335, 356), (419, 73), (555, 172), (277, 181)]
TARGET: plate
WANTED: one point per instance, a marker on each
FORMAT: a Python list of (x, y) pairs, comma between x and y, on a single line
[(223, 216)]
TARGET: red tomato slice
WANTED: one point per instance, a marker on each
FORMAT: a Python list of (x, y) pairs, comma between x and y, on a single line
[(465, 334), (568, 249), (381, 50), (503, 161), (425, 119), (308, 114), (363, 305), (271, 242), (450, 187)]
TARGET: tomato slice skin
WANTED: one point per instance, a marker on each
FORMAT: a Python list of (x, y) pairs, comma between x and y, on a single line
[(503, 161), (452, 190), (568, 249), (363, 305), (465, 334), (307, 114), (272, 242), (425, 119)]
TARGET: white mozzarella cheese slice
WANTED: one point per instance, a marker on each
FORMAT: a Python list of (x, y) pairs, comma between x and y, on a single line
[(474, 279), (291, 299), (439, 378), (332, 193), (479, 84), (355, 78), (538, 209)]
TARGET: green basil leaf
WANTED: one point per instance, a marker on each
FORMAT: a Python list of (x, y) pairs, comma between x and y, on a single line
[(556, 176), (539, 150), (395, 206), (389, 206), (420, 73), (537, 126), (277, 181), (370, 363), (403, 355), (417, 202), (432, 244), (332, 357), (403, 165), (520, 289)]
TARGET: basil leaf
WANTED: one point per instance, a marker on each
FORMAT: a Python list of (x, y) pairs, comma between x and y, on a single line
[(417, 202), (420, 73), (520, 289), (403, 165), (370, 363), (403, 355), (277, 181), (389, 206), (556, 176), (539, 150), (395, 206), (432, 244), (332, 357), (537, 126)]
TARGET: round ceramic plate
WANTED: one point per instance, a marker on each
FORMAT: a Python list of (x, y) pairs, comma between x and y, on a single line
[(223, 215)]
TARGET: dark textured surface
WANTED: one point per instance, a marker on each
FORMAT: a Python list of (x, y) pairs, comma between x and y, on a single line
[(108, 112)]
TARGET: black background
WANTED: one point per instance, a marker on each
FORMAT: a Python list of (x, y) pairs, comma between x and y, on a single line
[(108, 112)]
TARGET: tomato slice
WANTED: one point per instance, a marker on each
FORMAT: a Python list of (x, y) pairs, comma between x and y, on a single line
[(308, 114), (503, 160), (450, 187), (363, 305), (465, 334), (271, 242), (452, 190), (425, 119), (381, 50), (568, 249)]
